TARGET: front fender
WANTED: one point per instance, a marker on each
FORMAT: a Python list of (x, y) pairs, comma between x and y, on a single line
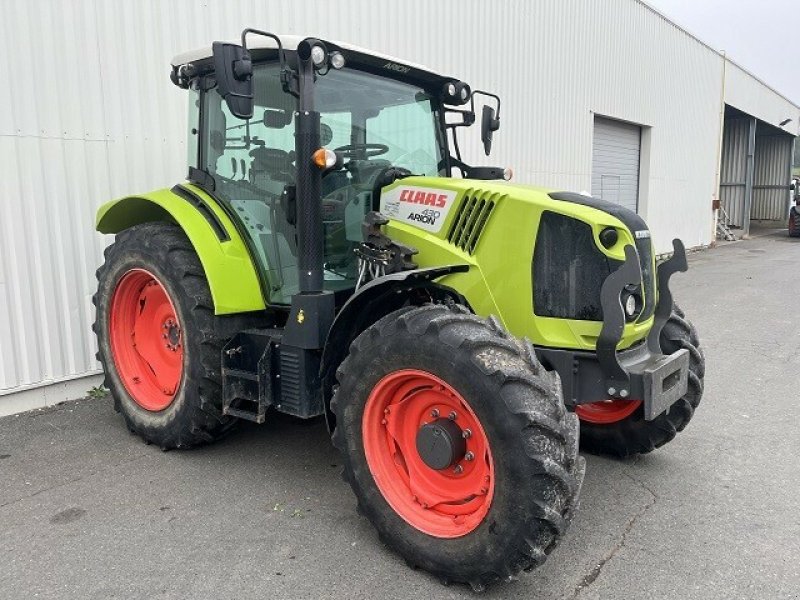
[(229, 268), (374, 300)]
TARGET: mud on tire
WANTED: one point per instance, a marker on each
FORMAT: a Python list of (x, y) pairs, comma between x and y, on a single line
[(194, 417), (533, 440)]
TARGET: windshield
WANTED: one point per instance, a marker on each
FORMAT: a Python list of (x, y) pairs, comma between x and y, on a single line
[(376, 123), (361, 108)]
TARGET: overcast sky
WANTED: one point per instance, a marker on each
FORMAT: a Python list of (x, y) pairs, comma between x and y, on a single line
[(763, 36)]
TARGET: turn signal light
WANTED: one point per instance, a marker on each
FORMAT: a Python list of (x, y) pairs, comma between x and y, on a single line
[(324, 158)]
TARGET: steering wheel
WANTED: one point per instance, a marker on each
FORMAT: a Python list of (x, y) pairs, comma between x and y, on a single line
[(363, 150)]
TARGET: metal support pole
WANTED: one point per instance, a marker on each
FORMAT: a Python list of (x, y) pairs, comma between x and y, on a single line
[(310, 241), (748, 178), (792, 195)]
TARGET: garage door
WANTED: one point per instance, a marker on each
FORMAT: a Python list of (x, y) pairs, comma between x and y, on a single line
[(615, 162)]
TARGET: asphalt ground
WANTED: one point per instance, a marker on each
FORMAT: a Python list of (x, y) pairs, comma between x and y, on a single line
[(88, 511)]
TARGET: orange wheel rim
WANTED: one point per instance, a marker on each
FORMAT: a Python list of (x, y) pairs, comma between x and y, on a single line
[(606, 412), (146, 340), (446, 502)]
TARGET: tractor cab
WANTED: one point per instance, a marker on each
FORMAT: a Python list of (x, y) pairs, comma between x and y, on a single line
[(380, 118)]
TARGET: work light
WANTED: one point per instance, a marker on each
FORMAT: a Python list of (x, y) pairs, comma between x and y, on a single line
[(337, 60), (318, 56)]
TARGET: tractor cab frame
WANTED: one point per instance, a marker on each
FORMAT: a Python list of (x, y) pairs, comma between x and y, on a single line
[(262, 117)]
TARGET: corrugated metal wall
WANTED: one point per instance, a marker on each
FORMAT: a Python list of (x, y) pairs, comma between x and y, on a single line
[(734, 170), (771, 177), (88, 114)]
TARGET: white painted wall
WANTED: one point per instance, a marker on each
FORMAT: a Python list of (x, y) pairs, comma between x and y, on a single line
[(87, 113)]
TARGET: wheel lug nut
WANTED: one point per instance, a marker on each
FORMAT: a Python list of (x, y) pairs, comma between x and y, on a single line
[(469, 455), (458, 470), (452, 416), (466, 434), (435, 413)]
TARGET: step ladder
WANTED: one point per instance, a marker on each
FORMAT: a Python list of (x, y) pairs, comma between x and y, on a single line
[(248, 366), (723, 226)]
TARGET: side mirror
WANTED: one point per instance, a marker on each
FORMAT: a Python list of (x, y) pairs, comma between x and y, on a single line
[(234, 72), (489, 124)]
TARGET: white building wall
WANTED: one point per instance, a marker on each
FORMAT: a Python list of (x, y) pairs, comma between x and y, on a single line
[(753, 96), (87, 113)]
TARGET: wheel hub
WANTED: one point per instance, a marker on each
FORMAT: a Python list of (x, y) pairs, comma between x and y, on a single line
[(172, 335), (441, 444)]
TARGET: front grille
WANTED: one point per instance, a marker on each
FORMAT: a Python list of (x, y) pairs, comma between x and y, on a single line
[(568, 270), (471, 219)]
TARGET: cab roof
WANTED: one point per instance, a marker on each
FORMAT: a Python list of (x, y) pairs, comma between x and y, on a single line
[(290, 43)]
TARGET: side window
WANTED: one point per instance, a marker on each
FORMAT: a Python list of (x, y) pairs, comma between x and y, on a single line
[(252, 162)]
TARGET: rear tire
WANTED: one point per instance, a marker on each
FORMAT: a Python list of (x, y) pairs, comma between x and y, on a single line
[(187, 412), (631, 434), (529, 443), (794, 223)]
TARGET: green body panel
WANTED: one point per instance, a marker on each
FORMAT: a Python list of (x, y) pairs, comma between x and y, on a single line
[(232, 277), (499, 281)]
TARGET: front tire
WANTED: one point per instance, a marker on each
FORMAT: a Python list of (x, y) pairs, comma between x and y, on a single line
[(158, 339), (501, 500), (618, 427)]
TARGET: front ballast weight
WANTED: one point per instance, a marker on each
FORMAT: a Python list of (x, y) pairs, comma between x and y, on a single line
[(378, 255), (658, 379), (642, 372)]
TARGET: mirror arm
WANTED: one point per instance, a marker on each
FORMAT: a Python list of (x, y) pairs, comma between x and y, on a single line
[(272, 36), (490, 95)]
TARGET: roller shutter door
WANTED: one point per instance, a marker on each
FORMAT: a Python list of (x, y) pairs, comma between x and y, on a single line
[(615, 162)]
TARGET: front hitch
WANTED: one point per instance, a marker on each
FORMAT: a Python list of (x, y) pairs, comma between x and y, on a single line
[(617, 378), (674, 264), (643, 372)]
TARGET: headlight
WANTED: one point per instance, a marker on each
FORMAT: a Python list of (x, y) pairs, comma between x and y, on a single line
[(630, 306), (631, 302)]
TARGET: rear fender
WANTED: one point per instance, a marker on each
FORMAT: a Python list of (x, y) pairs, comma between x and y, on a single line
[(229, 268)]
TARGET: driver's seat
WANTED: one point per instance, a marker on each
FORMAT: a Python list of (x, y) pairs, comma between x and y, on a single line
[(333, 181), (272, 169)]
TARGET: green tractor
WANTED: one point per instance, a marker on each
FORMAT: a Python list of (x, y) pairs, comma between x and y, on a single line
[(455, 331)]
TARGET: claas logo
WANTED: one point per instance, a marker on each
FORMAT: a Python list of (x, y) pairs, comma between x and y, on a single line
[(424, 198)]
